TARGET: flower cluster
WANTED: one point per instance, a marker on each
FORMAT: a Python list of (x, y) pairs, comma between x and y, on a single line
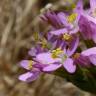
[(69, 43)]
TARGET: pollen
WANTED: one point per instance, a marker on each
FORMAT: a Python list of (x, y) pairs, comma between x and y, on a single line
[(56, 52), (72, 18), (30, 63), (44, 43), (67, 37), (76, 55)]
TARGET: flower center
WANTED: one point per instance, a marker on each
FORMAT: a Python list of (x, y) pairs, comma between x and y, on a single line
[(72, 18), (56, 52), (67, 37), (64, 58), (76, 55), (30, 63)]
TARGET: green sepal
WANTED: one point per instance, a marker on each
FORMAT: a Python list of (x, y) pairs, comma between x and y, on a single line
[(83, 78)]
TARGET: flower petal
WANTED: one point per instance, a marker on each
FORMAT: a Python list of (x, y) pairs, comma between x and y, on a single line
[(93, 26), (73, 46), (24, 64), (74, 30), (29, 76), (79, 7), (69, 66), (53, 19), (88, 52), (46, 58), (63, 18), (93, 4), (60, 43), (32, 51), (51, 67), (83, 61), (93, 59), (59, 31), (84, 26)]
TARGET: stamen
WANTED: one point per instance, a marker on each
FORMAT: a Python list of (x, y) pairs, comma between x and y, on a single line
[(44, 43), (76, 55), (56, 53), (72, 18), (30, 63), (67, 37)]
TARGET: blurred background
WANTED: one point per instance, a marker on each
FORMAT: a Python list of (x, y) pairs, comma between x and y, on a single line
[(19, 26)]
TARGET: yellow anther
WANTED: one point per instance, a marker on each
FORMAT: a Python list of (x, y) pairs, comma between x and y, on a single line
[(56, 52), (72, 18), (30, 63), (44, 43), (67, 37), (76, 55), (73, 6)]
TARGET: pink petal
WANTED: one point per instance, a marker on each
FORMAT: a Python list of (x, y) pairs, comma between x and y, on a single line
[(24, 64), (59, 31), (27, 77), (79, 7), (88, 52), (93, 59), (52, 67), (93, 4), (63, 18), (69, 66), (46, 58), (73, 46)]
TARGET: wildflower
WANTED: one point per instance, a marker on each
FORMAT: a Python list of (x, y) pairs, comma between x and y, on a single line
[(70, 22), (33, 69), (64, 27), (61, 20), (66, 40), (86, 58), (56, 59), (87, 22)]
